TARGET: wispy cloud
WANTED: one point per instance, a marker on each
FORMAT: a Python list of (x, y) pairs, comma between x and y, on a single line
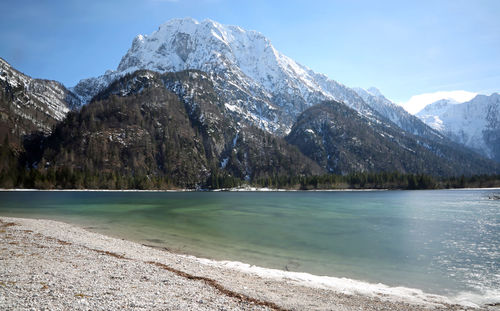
[(418, 102)]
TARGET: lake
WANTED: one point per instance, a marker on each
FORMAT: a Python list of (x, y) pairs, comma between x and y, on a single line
[(443, 241)]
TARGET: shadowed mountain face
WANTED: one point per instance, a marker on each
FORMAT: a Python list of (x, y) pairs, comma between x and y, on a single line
[(342, 141)]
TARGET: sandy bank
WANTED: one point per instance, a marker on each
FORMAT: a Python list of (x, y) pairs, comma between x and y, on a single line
[(56, 266)]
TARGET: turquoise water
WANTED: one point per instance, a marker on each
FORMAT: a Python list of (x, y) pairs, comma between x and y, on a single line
[(444, 242)]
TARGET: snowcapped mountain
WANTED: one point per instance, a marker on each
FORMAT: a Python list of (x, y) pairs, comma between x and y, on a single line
[(475, 123), (28, 104), (256, 82)]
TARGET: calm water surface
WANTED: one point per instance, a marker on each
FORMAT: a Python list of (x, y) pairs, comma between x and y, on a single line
[(443, 242)]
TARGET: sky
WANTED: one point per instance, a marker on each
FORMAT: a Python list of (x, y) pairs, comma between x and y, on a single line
[(404, 48)]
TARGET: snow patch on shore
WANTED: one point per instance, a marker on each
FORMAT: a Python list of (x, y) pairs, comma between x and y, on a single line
[(352, 287)]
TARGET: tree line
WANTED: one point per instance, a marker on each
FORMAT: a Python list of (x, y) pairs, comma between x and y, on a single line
[(13, 174)]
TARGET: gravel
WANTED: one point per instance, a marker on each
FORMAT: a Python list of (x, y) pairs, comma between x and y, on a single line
[(49, 265)]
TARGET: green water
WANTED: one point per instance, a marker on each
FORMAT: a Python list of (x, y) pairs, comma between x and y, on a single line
[(443, 242)]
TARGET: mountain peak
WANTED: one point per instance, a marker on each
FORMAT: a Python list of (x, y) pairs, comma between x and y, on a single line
[(181, 44)]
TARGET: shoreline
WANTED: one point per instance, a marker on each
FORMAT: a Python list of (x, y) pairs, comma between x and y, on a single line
[(238, 285), (247, 189)]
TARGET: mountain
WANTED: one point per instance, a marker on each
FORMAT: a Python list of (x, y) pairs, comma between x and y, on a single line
[(169, 128), (475, 123), (202, 104), (343, 141), (257, 83), (28, 104)]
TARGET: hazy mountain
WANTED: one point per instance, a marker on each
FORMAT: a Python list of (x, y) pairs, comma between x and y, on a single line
[(475, 123)]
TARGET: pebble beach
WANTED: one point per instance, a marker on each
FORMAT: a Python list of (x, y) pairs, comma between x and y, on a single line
[(50, 265)]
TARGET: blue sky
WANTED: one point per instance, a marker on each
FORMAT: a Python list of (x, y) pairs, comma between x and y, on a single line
[(404, 48)]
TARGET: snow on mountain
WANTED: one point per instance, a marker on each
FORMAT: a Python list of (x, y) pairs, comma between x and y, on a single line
[(438, 107), (475, 123)]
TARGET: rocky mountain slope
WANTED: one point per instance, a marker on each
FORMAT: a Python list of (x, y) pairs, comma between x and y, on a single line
[(475, 123), (28, 104), (342, 141)]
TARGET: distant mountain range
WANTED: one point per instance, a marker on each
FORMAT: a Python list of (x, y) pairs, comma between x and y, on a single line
[(475, 123), (198, 100)]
